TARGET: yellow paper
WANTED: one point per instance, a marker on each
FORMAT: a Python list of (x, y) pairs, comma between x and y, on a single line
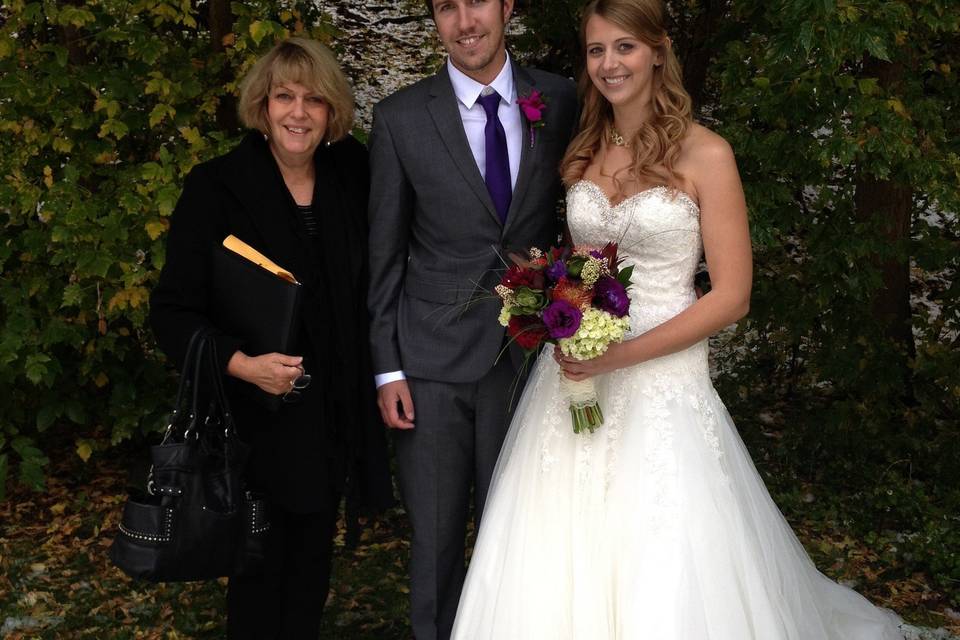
[(244, 250)]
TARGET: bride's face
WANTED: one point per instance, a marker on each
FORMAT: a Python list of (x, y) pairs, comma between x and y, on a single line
[(620, 65)]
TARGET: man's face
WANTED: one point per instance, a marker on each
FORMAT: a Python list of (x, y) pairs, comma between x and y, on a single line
[(472, 33)]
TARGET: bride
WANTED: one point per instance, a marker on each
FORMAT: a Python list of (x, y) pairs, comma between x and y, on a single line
[(657, 526)]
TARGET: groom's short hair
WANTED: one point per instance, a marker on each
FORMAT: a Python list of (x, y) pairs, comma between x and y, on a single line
[(429, 4)]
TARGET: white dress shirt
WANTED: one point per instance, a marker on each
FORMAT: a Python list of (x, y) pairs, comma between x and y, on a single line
[(474, 117), (467, 90)]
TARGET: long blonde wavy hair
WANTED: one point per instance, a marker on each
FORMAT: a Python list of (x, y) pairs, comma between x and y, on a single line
[(656, 145)]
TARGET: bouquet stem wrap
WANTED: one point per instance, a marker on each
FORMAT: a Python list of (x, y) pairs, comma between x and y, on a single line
[(585, 409)]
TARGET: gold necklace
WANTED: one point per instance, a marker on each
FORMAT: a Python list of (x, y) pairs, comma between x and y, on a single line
[(617, 139)]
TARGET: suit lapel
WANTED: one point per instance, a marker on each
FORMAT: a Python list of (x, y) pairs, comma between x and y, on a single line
[(529, 153), (445, 112)]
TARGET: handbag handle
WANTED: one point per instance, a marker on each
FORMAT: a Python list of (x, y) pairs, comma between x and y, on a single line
[(187, 378), (191, 364), (197, 371), (221, 395)]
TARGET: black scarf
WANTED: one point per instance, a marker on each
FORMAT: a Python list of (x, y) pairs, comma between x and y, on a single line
[(334, 281)]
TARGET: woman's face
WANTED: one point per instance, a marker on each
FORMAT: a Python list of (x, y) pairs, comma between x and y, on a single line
[(298, 120), (619, 64)]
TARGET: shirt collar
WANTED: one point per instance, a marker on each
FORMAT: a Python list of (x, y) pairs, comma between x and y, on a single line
[(468, 90)]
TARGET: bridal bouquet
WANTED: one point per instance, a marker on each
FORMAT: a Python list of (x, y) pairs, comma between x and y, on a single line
[(574, 297)]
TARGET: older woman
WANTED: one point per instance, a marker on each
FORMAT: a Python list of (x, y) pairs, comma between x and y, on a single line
[(296, 190)]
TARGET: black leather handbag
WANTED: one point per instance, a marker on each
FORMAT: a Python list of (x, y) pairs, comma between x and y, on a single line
[(195, 521)]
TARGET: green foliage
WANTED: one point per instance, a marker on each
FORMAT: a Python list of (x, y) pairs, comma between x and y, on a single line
[(836, 99), (811, 126), (106, 106)]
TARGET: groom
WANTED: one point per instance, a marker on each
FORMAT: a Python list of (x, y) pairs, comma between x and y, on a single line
[(458, 173)]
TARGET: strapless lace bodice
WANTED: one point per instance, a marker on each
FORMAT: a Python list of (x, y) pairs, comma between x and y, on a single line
[(658, 231)]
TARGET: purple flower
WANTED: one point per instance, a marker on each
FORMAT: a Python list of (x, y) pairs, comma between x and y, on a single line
[(562, 319), (596, 253), (557, 270), (610, 296)]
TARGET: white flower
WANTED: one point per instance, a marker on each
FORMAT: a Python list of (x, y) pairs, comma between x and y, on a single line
[(506, 293), (598, 329)]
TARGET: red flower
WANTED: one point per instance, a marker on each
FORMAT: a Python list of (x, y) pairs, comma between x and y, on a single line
[(517, 276), (527, 331), (533, 107)]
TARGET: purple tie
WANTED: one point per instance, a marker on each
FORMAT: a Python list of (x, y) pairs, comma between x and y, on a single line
[(498, 164)]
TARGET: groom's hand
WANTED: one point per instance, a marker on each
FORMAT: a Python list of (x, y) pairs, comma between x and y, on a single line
[(396, 404)]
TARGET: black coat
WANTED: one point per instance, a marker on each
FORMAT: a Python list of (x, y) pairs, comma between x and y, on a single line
[(299, 457)]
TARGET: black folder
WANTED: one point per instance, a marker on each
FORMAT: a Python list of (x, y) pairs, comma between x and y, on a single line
[(261, 308)]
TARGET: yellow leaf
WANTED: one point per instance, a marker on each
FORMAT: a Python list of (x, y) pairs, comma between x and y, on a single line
[(138, 296), (58, 508), (945, 69), (898, 107), (101, 380), (48, 176), (84, 450), (161, 111), (63, 145), (128, 298), (118, 301), (155, 228), (191, 135), (229, 39), (259, 29)]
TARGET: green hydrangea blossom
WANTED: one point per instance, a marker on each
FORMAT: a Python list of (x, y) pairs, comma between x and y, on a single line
[(597, 330)]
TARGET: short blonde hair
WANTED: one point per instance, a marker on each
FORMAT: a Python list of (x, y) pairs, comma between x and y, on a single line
[(301, 61)]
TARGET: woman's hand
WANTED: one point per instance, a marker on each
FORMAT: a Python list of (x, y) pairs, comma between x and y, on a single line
[(272, 372), (615, 357)]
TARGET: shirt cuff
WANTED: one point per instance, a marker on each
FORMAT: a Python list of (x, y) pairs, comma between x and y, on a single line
[(391, 376)]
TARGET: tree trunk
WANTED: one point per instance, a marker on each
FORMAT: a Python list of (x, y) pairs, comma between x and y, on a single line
[(889, 205), (72, 39), (220, 19), (700, 47), (892, 203)]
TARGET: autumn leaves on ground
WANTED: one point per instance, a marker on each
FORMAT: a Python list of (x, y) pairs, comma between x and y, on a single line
[(56, 580)]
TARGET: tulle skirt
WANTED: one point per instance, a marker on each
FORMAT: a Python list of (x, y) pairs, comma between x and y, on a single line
[(655, 527)]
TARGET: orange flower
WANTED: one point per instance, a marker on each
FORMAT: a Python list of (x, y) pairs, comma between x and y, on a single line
[(571, 292)]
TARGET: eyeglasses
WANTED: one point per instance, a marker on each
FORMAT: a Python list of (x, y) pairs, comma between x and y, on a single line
[(301, 383)]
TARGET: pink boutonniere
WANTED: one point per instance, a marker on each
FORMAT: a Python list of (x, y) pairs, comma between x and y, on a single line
[(533, 105)]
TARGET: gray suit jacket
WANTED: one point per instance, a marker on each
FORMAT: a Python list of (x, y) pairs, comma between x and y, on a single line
[(434, 232)]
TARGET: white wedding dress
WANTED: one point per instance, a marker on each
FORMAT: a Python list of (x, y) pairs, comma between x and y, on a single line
[(657, 526)]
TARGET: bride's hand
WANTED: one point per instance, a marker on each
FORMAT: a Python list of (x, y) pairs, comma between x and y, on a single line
[(614, 358)]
